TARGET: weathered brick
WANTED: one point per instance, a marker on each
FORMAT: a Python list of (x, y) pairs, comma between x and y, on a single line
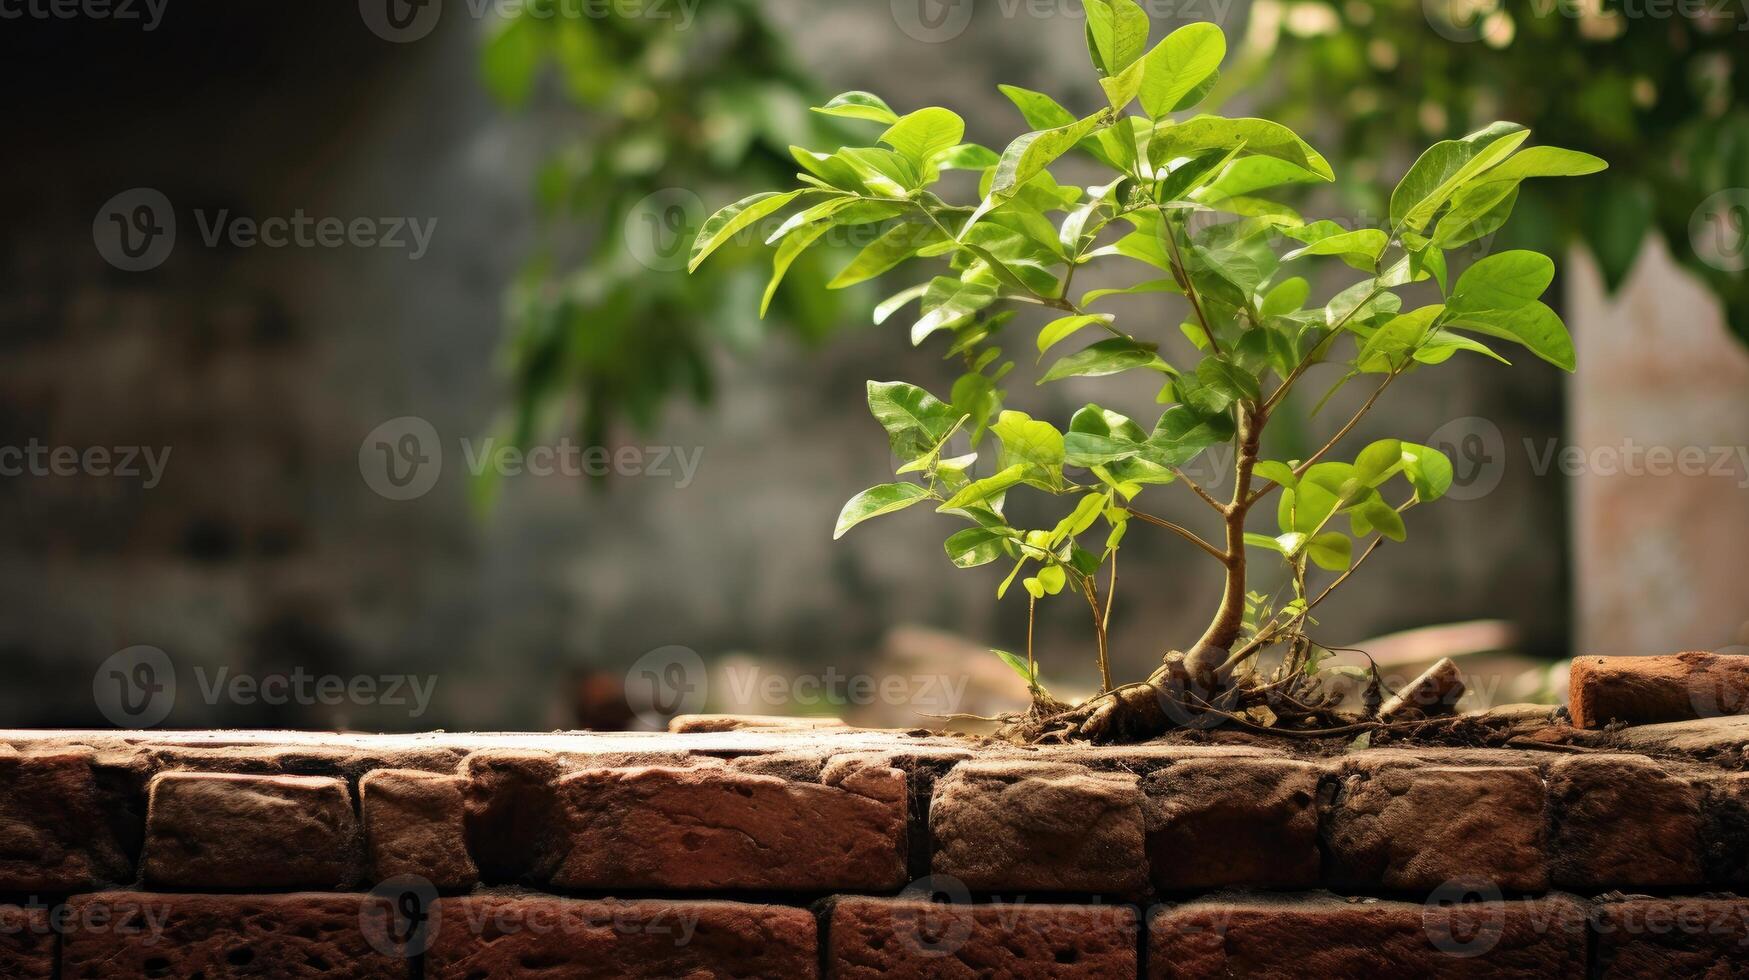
[(1622, 821), (1223, 822), (60, 830), (1287, 936), (1052, 827), (716, 827), (1646, 690), (1671, 937), (505, 937), (509, 814), (1414, 828), (134, 934), (905, 939), (215, 830), (414, 825), (27, 945)]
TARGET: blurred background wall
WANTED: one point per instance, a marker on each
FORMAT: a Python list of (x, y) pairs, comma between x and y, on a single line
[(269, 374)]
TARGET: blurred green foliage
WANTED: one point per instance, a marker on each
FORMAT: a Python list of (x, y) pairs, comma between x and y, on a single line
[(1659, 89), (659, 110)]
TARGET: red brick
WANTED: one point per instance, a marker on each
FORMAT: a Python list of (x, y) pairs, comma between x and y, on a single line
[(414, 825), (133, 934), (27, 945), (1282, 937), (505, 937), (1224, 822), (1414, 828), (214, 830), (1039, 826), (713, 827), (904, 939), (1671, 937), (1646, 690), (509, 812), (1622, 821), (60, 831)]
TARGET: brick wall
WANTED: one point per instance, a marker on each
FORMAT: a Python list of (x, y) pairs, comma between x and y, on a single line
[(769, 853)]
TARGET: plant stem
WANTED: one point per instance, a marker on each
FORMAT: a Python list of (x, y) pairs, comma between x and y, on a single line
[(1207, 497), (1341, 433), (1206, 660), (1091, 591), (1183, 532)]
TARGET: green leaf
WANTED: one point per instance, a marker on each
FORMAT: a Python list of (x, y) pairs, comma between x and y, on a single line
[(1032, 444), (1276, 472), (1306, 507), (1081, 518), (1428, 471), (1332, 551), (967, 156), (1179, 65), (979, 491), (1151, 286), (975, 546), (895, 245), (1390, 345), (859, 105), (1182, 433), (916, 421), (1503, 281), (1360, 249), (1031, 153), (787, 252), (1053, 578), (1038, 109), (1105, 357), (1445, 167), (1440, 345), (920, 135), (1378, 461), (892, 304), (1019, 666), (723, 225), (1254, 136), (875, 501), (1117, 33), (1058, 330), (1265, 541), (1232, 381), (1286, 297), (948, 300), (1535, 326), (882, 171)]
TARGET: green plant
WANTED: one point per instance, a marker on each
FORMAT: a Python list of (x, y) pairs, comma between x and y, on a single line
[(1662, 93), (1185, 203), (666, 107)]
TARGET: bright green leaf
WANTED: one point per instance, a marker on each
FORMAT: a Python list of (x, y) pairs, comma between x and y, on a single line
[(875, 501)]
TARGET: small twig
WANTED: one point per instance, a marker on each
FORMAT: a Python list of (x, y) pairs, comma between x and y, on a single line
[(1182, 531), (1207, 497)]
